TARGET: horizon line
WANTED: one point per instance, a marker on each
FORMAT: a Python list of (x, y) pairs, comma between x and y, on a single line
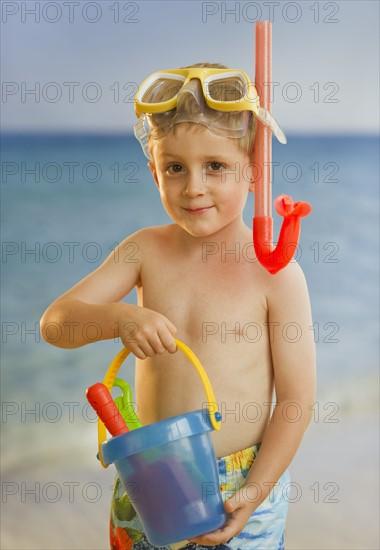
[(111, 133)]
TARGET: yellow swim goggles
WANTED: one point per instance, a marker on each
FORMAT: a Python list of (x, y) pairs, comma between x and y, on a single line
[(223, 98)]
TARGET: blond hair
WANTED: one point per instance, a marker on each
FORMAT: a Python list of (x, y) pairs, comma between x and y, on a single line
[(186, 105)]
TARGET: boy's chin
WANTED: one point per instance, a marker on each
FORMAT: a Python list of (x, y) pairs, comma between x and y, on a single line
[(201, 233)]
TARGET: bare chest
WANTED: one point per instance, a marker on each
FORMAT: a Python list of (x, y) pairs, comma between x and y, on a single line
[(208, 303)]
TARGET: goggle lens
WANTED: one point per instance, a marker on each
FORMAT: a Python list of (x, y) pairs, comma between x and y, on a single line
[(162, 89), (226, 89)]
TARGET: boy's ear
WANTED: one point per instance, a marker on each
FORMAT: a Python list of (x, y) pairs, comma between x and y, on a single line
[(251, 179), (154, 173)]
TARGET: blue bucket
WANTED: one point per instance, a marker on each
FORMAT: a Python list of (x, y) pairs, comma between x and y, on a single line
[(169, 469), (170, 474)]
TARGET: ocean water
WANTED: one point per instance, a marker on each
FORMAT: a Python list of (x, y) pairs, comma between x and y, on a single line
[(66, 202)]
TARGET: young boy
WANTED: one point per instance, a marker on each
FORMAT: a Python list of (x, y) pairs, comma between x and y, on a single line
[(198, 280)]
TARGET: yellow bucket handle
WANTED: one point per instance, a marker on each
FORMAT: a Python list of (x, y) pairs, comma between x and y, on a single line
[(116, 364)]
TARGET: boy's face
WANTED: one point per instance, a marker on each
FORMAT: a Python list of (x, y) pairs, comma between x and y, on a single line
[(203, 179)]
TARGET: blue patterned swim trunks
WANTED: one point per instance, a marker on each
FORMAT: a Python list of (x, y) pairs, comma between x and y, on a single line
[(265, 529)]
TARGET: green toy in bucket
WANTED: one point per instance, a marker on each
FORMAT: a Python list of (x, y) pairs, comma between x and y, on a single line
[(125, 404), (168, 468)]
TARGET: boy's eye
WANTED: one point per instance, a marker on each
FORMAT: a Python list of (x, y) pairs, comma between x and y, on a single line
[(175, 168), (216, 166)]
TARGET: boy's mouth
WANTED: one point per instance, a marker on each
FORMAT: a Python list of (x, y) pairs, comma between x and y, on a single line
[(198, 210)]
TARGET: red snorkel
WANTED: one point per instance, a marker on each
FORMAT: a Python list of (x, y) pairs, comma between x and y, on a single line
[(270, 257)]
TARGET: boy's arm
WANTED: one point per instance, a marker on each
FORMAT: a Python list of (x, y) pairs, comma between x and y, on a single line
[(91, 310), (293, 356)]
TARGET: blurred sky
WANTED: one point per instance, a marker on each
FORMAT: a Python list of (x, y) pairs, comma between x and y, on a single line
[(325, 59)]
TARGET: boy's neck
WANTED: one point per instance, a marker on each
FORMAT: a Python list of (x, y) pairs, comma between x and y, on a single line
[(235, 232)]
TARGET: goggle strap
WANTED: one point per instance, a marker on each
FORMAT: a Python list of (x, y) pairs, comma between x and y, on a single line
[(142, 135), (270, 122), (263, 115)]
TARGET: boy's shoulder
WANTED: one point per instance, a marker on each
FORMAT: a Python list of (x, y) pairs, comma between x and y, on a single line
[(286, 286), (147, 239), (148, 234), (289, 274)]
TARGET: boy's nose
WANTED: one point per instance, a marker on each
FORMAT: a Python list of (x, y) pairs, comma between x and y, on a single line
[(195, 185)]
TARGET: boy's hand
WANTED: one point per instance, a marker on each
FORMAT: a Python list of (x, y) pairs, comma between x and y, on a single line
[(239, 509), (147, 333)]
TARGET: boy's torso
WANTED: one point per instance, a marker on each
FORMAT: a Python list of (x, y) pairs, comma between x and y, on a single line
[(217, 301)]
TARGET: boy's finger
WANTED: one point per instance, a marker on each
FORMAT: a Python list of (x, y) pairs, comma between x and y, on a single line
[(214, 538), (147, 349), (168, 341), (234, 502), (171, 327), (172, 348), (138, 352), (157, 345)]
